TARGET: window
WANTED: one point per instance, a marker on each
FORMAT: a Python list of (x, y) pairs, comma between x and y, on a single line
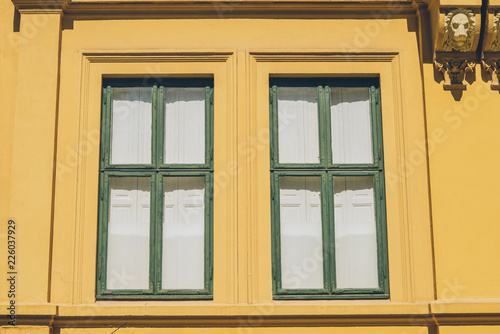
[(327, 189), (155, 206)]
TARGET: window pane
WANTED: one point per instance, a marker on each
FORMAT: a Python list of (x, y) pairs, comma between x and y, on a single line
[(355, 232), (351, 125), (298, 133), (183, 233), (131, 126), (128, 233), (301, 234), (184, 125)]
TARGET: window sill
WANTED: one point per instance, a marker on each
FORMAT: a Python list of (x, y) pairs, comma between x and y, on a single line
[(278, 313)]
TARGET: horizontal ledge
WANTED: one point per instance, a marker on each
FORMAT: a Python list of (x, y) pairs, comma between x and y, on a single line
[(324, 56), (151, 56), (277, 314), (146, 56), (466, 312), (234, 9), (207, 309), (40, 6), (30, 309), (37, 11), (471, 307)]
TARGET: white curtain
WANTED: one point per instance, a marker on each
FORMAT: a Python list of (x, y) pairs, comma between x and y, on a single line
[(183, 233), (301, 234), (184, 125), (355, 232), (298, 133), (128, 233), (351, 125), (131, 117)]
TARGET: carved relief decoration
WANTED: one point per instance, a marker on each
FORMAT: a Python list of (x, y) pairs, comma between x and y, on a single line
[(459, 30), (454, 70), (495, 43), (491, 47), (492, 65)]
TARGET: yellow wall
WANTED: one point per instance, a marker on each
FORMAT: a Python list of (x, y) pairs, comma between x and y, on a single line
[(8, 65), (93, 49), (464, 178), (439, 152)]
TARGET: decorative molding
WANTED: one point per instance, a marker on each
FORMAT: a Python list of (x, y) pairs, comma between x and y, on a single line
[(150, 56), (459, 30), (113, 9), (457, 39), (40, 6), (143, 318), (41, 11), (490, 56), (495, 43), (454, 67), (492, 32), (322, 56), (403, 194), (492, 65), (95, 64)]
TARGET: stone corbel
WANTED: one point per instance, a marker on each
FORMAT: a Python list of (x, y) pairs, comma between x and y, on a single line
[(456, 45), (492, 65), (491, 47), (455, 67), (40, 5)]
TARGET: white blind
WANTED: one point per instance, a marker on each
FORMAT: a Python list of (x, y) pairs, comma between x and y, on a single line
[(183, 233), (131, 116), (184, 125), (351, 125), (355, 232), (301, 234), (298, 133), (128, 233)]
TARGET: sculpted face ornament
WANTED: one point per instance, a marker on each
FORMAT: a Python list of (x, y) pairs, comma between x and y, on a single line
[(459, 30), (495, 45), (460, 26)]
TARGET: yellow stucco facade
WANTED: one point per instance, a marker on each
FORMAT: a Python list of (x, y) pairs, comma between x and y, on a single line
[(439, 151)]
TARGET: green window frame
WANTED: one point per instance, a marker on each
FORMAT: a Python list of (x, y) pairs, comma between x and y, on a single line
[(326, 171), (156, 172)]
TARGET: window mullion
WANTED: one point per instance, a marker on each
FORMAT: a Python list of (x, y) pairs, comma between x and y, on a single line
[(327, 126), (325, 219), (321, 126), (376, 129), (106, 126), (381, 231), (156, 159), (276, 251), (152, 237), (103, 233), (159, 111), (208, 127), (273, 119), (208, 235)]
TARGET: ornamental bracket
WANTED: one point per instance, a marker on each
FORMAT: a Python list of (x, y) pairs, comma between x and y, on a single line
[(491, 47), (454, 68), (492, 65), (456, 44)]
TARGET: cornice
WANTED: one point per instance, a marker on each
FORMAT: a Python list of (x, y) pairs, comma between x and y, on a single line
[(165, 9), (42, 6), (111, 9)]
